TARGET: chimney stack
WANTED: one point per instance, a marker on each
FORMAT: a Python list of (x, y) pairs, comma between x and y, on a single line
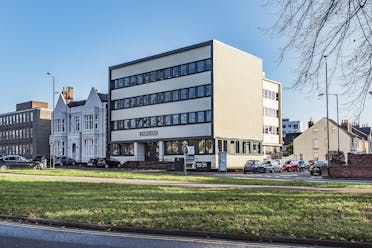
[(347, 126), (310, 123), (68, 94)]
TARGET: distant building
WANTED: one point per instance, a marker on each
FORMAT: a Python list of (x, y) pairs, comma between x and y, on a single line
[(312, 143), (365, 129), (80, 126), (26, 131), (272, 109), (208, 95), (291, 126)]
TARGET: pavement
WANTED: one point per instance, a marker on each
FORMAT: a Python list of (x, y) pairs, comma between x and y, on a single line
[(185, 184), (14, 235)]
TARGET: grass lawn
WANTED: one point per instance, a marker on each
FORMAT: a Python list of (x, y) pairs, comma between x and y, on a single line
[(236, 211), (173, 177)]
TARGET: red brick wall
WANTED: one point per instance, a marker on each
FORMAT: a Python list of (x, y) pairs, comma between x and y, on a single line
[(359, 159), (354, 171)]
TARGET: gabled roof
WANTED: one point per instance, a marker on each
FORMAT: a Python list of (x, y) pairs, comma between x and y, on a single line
[(103, 97), (365, 130), (289, 137), (76, 103)]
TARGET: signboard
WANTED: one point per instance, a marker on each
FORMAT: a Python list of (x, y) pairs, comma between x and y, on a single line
[(149, 133), (222, 167), (202, 166), (51, 140)]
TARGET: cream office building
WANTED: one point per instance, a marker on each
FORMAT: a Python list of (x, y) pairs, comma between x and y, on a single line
[(208, 95)]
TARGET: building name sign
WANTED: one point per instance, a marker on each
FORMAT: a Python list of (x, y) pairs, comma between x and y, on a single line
[(149, 133)]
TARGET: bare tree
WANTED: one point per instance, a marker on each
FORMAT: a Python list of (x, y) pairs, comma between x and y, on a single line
[(338, 29)]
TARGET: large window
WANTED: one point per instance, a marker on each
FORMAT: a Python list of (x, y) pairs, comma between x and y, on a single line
[(88, 122), (202, 146), (165, 73), (122, 149)]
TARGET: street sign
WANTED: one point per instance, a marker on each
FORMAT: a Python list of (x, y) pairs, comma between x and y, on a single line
[(222, 162)]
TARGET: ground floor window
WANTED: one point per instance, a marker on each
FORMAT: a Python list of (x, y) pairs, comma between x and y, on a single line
[(126, 149), (201, 146), (235, 146)]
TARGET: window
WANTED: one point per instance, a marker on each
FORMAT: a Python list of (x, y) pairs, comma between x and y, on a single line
[(208, 64), (168, 96), (232, 146), (192, 118), (192, 93), (126, 103), (176, 95), (146, 100), (176, 119), (208, 90), (200, 91), (133, 123), (200, 117), (133, 80), (126, 124), (161, 75), (168, 120), (146, 122), (183, 70), (133, 102), (208, 116), (153, 121), (161, 97), (126, 82), (175, 71), (154, 76), (167, 73), (192, 68), (160, 121), (184, 94), (139, 79), (316, 144), (200, 66), (237, 147), (140, 101), (139, 122), (209, 144), (153, 99), (184, 118), (201, 146)]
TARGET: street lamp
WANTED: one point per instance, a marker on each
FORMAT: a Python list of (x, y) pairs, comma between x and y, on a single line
[(338, 123), (326, 81), (52, 164)]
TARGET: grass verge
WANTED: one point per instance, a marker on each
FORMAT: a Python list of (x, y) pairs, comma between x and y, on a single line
[(266, 213), (173, 177)]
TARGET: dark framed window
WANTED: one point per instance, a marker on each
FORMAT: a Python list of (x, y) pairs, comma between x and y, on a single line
[(201, 116), (140, 101), (161, 75), (208, 116), (133, 80), (208, 90), (153, 121), (133, 102), (200, 66), (147, 77), (126, 82), (184, 94), (127, 149), (175, 71), (161, 97), (201, 146), (160, 121), (175, 147), (208, 64), (200, 91), (192, 93), (168, 120), (192, 68), (154, 76), (176, 95), (126, 124), (176, 119), (168, 147), (139, 122), (153, 99), (139, 79), (192, 117), (183, 70), (184, 118), (133, 123), (168, 96), (146, 100), (167, 73), (209, 146), (146, 122), (127, 103)]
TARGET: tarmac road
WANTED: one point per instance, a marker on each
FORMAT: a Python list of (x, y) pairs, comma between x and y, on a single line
[(14, 235)]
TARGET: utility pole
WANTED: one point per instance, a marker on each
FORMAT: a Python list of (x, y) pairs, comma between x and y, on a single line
[(326, 81)]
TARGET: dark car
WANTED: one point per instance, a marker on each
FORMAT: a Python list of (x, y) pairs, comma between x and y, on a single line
[(316, 169), (108, 163), (302, 165), (18, 162), (92, 162), (64, 161), (251, 166)]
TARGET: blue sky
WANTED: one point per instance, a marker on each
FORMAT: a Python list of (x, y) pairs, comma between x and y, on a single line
[(78, 40)]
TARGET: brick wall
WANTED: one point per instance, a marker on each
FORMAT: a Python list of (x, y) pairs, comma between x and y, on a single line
[(354, 171), (359, 159)]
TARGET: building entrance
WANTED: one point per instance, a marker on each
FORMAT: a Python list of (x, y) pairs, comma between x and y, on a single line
[(152, 151)]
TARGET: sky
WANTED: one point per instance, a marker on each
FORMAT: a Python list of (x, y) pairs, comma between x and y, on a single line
[(78, 40)]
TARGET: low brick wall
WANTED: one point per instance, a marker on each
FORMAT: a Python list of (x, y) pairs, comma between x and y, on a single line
[(359, 159), (354, 171)]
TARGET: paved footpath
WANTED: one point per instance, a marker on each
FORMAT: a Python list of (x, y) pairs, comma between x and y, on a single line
[(185, 184)]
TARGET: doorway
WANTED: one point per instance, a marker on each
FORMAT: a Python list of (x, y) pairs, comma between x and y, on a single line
[(152, 151)]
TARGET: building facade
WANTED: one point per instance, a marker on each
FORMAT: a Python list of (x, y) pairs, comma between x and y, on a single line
[(80, 127), (312, 143), (26, 131), (272, 118), (208, 96), (291, 126)]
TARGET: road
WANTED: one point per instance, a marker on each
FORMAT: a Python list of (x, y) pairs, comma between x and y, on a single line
[(14, 235)]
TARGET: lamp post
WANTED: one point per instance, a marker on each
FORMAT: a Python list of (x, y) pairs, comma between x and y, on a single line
[(326, 81), (52, 162), (338, 123)]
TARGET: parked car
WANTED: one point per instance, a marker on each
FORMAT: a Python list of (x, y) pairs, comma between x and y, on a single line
[(316, 169), (290, 165), (311, 162), (92, 162), (272, 166), (18, 162), (65, 161), (302, 165), (251, 166), (108, 163)]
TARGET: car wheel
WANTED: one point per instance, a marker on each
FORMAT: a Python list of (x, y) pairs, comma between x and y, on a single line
[(106, 166), (36, 167), (73, 163), (3, 167)]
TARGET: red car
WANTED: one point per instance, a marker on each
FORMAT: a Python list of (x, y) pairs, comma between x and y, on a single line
[(290, 165)]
